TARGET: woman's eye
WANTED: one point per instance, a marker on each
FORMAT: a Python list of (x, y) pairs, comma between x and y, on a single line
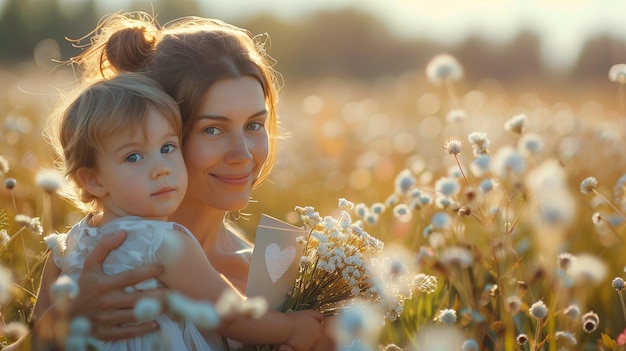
[(132, 158), (211, 130), (255, 126), (167, 148)]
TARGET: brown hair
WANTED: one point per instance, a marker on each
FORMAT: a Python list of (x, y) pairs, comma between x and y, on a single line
[(186, 56), (98, 112)]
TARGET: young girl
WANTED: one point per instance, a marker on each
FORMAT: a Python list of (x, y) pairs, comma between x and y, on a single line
[(120, 142)]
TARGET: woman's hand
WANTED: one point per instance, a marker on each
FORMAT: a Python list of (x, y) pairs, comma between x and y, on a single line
[(102, 298)]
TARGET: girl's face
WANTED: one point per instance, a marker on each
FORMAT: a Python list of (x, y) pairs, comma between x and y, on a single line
[(227, 145), (139, 172)]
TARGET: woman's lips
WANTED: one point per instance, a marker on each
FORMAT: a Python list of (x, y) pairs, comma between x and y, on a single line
[(238, 179)]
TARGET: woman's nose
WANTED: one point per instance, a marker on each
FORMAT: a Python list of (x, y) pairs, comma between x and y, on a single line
[(239, 150)]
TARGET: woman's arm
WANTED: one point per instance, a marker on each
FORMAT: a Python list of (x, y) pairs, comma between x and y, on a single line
[(188, 270), (101, 298)]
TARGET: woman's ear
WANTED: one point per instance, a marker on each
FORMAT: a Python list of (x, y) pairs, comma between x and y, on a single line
[(88, 178)]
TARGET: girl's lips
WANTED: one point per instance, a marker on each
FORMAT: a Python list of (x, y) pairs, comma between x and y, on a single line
[(164, 191), (233, 179)]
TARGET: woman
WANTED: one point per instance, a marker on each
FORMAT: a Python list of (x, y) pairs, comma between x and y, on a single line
[(227, 93)]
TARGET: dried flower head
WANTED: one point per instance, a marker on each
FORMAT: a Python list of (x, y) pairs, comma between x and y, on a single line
[(22, 220), (62, 290), (470, 345), (6, 284), (4, 165), (479, 142), (56, 242), (10, 183), (345, 204), (456, 255), (617, 73), (515, 124), (378, 207), (587, 269), (254, 307), (486, 185), (566, 338), (402, 213), (392, 347), (147, 308), (15, 330), (508, 161), (596, 218), (590, 322), (49, 180), (513, 304), (538, 310), (404, 182), (80, 326), (572, 312), (202, 314), (618, 284), (443, 67), (521, 339), (564, 260), (447, 316), (4, 237), (530, 144), (588, 185), (447, 186), (453, 146), (455, 115)]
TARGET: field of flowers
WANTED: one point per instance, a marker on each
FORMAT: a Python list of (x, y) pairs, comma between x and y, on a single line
[(503, 213)]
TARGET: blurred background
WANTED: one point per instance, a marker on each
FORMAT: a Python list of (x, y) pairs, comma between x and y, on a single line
[(359, 107), (355, 96)]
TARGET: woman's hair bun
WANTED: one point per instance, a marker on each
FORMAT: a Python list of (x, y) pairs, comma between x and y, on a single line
[(128, 49)]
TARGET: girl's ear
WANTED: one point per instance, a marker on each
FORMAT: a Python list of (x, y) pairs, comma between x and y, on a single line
[(88, 179)]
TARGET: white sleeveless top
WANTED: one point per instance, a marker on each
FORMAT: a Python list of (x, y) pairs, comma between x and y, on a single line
[(143, 239)]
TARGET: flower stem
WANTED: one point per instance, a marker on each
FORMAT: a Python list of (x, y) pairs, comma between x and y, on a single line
[(609, 203), (621, 300)]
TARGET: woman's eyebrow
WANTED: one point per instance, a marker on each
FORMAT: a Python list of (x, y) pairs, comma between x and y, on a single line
[(220, 117)]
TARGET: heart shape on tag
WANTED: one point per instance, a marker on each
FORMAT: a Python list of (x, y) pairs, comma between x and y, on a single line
[(278, 261)]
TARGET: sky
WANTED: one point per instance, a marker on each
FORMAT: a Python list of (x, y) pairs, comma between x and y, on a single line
[(564, 25)]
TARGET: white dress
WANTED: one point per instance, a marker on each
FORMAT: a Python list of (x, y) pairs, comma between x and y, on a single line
[(143, 238)]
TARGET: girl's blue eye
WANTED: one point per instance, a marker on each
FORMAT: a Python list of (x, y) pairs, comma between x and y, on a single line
[(167, 148), (132, 158)]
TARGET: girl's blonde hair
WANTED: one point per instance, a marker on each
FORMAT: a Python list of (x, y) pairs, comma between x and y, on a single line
[(186, 57), (98, 112)]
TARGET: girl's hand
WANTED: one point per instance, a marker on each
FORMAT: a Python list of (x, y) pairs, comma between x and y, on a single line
[(307, 329), (102, 300)]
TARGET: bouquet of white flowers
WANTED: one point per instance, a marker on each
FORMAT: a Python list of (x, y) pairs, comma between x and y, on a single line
[(342, 264), (336, 264)]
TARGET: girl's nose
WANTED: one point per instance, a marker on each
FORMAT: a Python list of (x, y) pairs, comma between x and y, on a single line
[(160, 170)]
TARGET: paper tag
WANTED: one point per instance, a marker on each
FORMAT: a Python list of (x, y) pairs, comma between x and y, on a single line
[(275, 259)]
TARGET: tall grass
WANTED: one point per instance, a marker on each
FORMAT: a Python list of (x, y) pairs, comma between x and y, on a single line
[(484, 190)]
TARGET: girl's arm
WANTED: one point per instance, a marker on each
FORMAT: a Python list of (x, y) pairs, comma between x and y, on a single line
[(188, 270)]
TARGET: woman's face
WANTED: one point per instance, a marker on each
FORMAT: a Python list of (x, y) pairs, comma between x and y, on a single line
[(227, 145)]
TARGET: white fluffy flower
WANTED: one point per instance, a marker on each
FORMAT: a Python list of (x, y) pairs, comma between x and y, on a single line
[(147, 309), (443, 67), (63, 289)]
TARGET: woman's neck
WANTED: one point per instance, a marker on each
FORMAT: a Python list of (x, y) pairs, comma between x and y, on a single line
[(205, 223)]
